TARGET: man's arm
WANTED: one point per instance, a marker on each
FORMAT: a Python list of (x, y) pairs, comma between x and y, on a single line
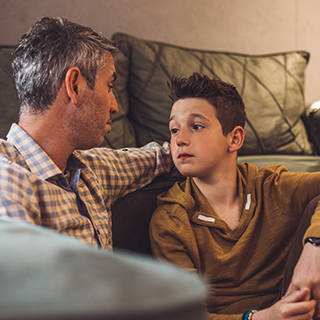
[(126, 170), (307, 274)]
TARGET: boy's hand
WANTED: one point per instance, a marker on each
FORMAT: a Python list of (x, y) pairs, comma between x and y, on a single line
[(296, 306), (307, 274)]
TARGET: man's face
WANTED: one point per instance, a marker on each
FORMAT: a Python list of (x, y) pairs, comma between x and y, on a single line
[(93, 117), (198, 145)]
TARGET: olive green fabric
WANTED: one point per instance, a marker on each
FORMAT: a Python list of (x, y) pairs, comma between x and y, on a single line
[(272, 87), (9, 101), (122, 134)]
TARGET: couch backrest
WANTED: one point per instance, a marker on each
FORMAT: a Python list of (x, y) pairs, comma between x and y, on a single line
[(271, 85)]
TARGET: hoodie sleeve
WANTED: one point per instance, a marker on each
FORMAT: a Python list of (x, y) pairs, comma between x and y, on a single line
[(172, 238)]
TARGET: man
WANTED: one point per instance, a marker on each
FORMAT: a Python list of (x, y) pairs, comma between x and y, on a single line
[(64, 74)]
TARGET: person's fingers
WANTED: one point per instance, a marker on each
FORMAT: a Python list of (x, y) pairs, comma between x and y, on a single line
[(289, 291)]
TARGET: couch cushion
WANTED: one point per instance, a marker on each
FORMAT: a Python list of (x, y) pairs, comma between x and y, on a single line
[(294, 163), (272, 87)]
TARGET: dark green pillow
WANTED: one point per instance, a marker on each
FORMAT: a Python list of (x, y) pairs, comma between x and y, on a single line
[(9, 101), (272, 87), (122, 132)]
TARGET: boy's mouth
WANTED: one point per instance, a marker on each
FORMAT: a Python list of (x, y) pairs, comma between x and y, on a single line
[(184, 156)]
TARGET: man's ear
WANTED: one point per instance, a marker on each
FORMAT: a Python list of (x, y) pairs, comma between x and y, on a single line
[(236, 138), (75, 83)]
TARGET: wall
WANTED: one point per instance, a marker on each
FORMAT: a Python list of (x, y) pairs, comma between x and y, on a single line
[(247, 26)]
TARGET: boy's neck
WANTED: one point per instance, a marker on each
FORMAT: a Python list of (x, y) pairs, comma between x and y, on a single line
[(222, 194)]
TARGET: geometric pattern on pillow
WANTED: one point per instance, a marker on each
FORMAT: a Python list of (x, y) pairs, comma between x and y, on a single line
[(122, 132), (271, 85)]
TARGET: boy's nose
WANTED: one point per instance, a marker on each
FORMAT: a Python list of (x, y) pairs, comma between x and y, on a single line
[(182, 139)]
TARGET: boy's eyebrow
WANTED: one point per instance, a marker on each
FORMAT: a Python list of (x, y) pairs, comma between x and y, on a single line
[(198, 115), (192, 116)]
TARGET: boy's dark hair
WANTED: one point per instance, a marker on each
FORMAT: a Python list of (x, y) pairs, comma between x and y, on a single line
[(223, 96)]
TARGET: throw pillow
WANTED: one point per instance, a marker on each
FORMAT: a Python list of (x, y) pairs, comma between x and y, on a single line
[(271, 85)]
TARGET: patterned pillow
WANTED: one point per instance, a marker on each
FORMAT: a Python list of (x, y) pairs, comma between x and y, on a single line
[(272, 87), (122, 133), (9, 101)]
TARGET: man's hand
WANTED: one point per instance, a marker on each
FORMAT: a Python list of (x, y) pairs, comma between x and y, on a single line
[(307, 274), (295, 306)]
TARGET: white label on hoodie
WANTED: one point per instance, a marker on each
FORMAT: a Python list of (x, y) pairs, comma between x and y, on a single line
[(204, 218), (247, 207)]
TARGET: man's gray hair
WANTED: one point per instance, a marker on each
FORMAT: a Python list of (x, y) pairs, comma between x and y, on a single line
[(45, 54)]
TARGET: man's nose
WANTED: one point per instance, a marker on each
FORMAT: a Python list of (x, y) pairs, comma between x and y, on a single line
[(114, 104)]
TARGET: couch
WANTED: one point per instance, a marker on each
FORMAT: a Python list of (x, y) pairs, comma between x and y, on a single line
[(279, 127)]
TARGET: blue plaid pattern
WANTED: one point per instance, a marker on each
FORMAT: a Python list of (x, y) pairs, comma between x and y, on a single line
[(77, 202)]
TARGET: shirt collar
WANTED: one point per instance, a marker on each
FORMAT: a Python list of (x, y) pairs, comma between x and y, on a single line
[(36, 158)]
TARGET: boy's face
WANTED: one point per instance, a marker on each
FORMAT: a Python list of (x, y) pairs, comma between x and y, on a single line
[(198, 146)]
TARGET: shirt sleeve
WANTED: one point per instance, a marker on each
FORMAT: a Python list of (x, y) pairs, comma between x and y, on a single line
[(172, 240), (16, 194), (292, 192), (129, 169)]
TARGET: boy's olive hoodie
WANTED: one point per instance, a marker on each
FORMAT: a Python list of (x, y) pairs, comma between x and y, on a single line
[(244, 266)]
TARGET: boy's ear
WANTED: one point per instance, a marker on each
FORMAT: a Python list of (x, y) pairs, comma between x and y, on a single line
[(237, 138), (75, 82)]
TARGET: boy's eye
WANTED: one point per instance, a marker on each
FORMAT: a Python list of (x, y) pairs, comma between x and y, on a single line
[(173, 130), (197, 126)]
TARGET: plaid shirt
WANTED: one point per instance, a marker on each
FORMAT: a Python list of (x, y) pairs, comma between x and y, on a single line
[(78, 202)]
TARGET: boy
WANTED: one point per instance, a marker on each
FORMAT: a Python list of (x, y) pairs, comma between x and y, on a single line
[(234, 224)]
